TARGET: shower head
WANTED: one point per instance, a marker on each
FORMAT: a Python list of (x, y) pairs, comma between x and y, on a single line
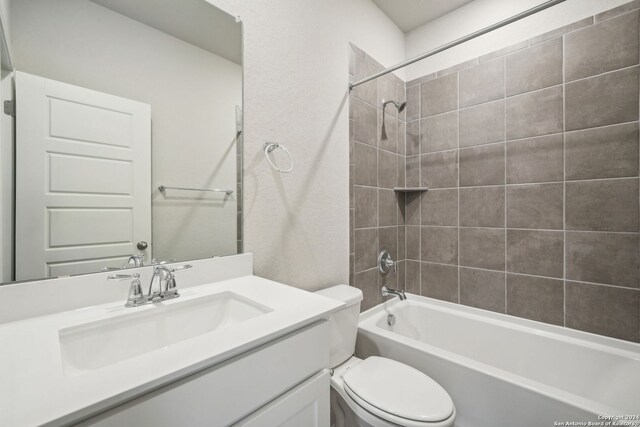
[(398, 105)]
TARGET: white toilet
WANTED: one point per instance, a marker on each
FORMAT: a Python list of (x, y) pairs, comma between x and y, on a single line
[(377, 392)]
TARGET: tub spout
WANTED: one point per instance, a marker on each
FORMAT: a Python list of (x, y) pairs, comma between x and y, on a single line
[(390, 292)]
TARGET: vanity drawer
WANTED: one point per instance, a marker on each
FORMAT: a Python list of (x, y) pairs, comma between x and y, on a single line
[(227, 392)]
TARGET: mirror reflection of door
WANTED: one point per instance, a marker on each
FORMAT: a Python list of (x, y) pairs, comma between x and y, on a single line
[(71, 211), (89, 202)]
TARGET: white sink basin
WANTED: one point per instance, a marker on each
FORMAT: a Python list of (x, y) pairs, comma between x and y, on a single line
[(94, 345)]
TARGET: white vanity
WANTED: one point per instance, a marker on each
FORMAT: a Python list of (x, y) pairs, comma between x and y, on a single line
[(234, 349)]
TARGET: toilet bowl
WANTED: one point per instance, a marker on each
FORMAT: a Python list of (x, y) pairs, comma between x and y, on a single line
[(376, 391)]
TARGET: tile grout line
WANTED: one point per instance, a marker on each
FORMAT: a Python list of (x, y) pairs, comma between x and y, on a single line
[(564, 186), (378, 128), (404, 196), (403, 207), (604, 73), (526, 138), (458, 186), (352, 179), (419, 196), (523, 184), (518, 273), (598, 127), (506, 301), (396, 206), (542, 230)]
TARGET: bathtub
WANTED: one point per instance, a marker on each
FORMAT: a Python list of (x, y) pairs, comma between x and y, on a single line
[(506, 371)]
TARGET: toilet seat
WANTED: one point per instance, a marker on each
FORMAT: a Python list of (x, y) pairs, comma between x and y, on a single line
[(397, 393)]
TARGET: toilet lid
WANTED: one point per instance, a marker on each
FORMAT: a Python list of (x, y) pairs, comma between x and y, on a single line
[(398, 389)]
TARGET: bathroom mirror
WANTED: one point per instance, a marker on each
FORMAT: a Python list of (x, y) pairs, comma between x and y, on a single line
[(124, 138)]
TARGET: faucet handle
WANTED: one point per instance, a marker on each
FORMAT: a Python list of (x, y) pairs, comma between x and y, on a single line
[(119, 277), (385, 262), (155, 261), (136, 295), (171, 288), (135, 261)]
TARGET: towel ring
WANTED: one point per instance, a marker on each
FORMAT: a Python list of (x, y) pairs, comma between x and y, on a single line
[(268, 148)]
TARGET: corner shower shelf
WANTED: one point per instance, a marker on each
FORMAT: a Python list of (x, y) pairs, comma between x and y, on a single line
[(409, 189)]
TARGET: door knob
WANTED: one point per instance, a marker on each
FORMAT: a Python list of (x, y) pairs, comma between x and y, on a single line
[(142, 245)]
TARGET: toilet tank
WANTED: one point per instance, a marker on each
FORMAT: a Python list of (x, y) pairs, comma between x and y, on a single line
[(344, 323)]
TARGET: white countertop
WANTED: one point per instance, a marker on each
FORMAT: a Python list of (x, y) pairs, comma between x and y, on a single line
[(35, 391)]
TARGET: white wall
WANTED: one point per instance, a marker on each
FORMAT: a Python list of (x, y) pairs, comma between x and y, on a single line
[(295, 86), (481, 13), (192, 94)]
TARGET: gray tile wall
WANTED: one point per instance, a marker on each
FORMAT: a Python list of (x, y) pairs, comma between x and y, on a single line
[(531, 155), (377, 165)]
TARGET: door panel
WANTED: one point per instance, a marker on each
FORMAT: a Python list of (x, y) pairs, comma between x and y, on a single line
[(82, 174), (83, 178), (81, 122), (89, 226)]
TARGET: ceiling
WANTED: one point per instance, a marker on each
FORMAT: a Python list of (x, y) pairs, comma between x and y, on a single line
[(411, 14), (194, 21)]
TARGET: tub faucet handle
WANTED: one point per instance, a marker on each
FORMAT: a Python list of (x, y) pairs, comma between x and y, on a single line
[(385, 262)]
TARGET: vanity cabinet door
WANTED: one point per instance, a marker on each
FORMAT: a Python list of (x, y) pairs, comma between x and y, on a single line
[(232, 390), (306, 405)]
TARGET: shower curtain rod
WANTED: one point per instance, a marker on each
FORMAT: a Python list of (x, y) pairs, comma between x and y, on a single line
[(461, 40)]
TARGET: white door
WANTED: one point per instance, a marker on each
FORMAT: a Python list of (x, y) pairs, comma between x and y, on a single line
[(83, 178)]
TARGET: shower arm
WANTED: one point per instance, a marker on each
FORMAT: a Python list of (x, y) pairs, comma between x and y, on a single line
[(461, 40)]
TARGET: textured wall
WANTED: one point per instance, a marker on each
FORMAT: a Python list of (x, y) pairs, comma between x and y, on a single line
[(531, 157), (295, 93)]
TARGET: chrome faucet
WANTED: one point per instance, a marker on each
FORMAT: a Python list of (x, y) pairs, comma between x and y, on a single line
[(135, 261), (162, 275), (386, 292)]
